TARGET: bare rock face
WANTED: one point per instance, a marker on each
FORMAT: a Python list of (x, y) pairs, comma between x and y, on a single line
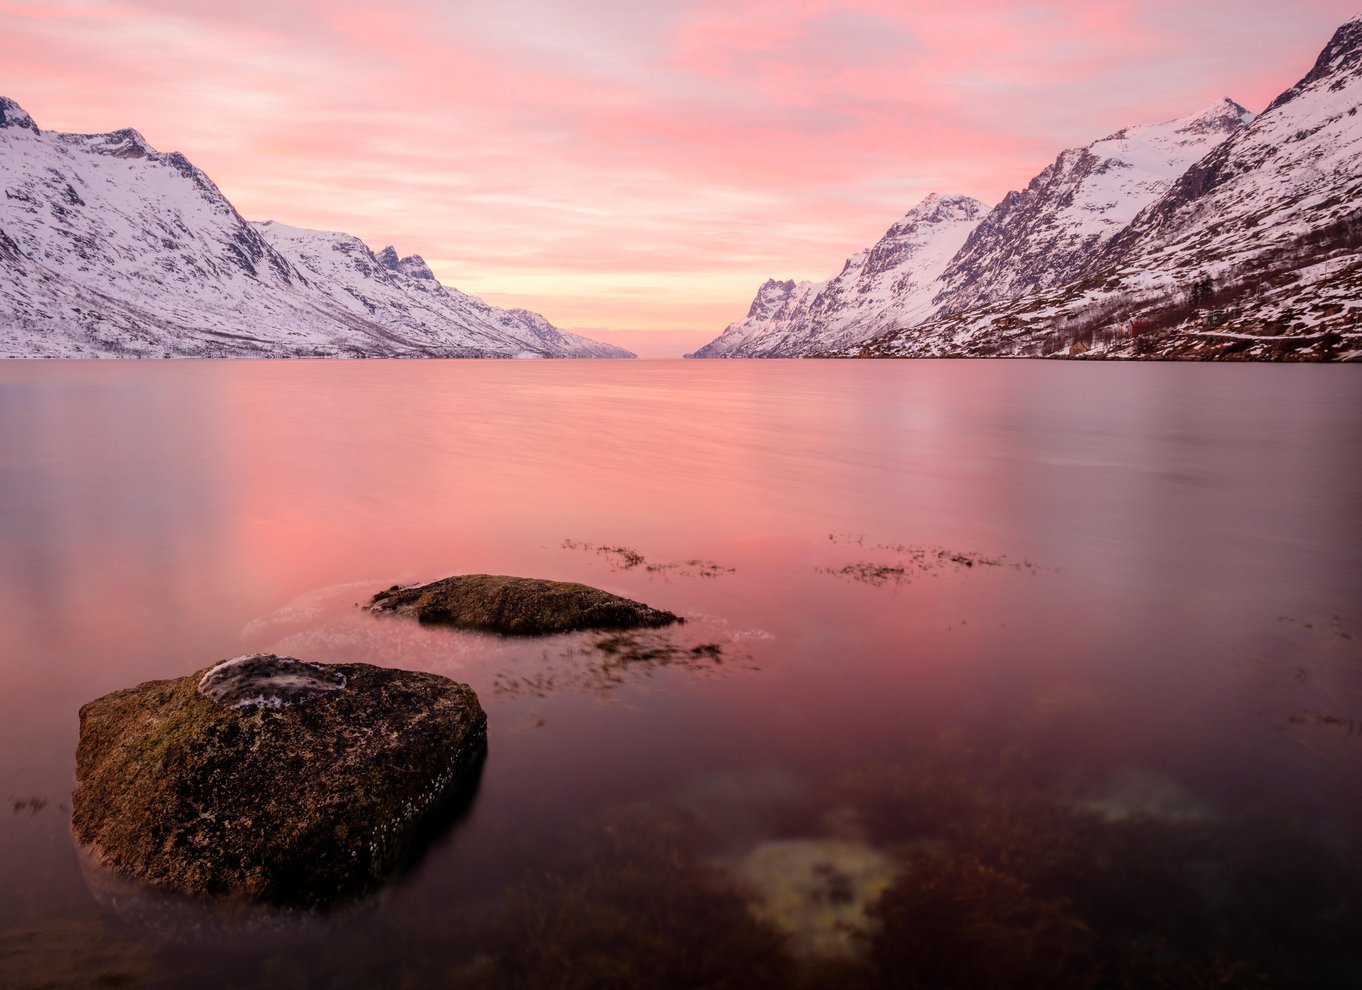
[(518, 606), (287, 782)]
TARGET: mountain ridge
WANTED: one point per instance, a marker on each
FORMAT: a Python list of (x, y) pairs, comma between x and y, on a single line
[(111, 249), (1219, 235)]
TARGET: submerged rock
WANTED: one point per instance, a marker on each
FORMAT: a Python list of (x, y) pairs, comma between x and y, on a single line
[(817, 892), (1135, 793), (518, 606), (288, 782)]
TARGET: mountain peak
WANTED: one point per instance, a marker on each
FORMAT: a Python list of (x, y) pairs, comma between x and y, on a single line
[(125, 143), (414, 266), (13, 115), (1221, 117), (938, 206)]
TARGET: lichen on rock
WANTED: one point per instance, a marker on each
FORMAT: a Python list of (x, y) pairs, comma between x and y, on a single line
[(518, 606), (286, 782)]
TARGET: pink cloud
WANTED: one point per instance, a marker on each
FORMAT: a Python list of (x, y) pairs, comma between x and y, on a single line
[(622, 165)]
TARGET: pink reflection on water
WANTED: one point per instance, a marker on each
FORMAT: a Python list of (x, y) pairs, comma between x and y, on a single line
[(161, 516)]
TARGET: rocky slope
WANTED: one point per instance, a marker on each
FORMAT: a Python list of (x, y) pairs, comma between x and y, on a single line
[(877, 289), (109, 248)]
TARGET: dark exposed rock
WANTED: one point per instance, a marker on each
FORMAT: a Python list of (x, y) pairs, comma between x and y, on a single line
[(287, 782), (414, 266), (13, 115), (518, 606)]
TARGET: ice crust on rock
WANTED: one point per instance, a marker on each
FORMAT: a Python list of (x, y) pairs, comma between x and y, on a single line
[(263, 680)]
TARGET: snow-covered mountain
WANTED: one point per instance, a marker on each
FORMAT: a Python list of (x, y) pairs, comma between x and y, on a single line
[(1255, 251), (1218, 235), (1297, 170), (403, 297), (1047, 234), (877, 289), (952, 254), (110, 248)]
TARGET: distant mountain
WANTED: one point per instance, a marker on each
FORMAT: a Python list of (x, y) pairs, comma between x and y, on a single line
[(109, 248), (877, 289), (403, 297), (1218, 235)]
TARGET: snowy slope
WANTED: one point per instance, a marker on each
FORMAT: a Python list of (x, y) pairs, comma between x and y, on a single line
[(1045, 235), (1254, 252), (949, 254), (1218, 235), (889, 285), (403, 296), (110, 248), (776, 306), (1296, 169)]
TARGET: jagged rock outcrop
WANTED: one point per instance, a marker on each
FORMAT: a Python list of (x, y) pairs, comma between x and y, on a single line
[(109, 248)]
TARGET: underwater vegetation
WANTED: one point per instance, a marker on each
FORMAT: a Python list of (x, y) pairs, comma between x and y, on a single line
[(603, 663), (966, 862), (908, 561), (635, 904), (938, 872), (76, 953), (621, 558)]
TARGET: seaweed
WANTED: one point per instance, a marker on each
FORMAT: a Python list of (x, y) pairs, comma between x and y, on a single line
[(633, 904), (912, 560), (621, 558), (604, 663)]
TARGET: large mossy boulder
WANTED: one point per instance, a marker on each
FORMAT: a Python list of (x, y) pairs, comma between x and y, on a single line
[(518, 606), (287, 782)]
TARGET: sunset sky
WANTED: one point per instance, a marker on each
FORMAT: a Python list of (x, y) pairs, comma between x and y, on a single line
[(625, 167)]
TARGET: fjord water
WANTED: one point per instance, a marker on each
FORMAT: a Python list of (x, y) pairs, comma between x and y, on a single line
[(1089, 632)]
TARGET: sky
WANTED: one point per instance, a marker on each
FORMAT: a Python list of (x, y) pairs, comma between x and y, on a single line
[(631, 170)]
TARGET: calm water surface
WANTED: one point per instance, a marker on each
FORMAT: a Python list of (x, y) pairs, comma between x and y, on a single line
[(1040, 672)]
